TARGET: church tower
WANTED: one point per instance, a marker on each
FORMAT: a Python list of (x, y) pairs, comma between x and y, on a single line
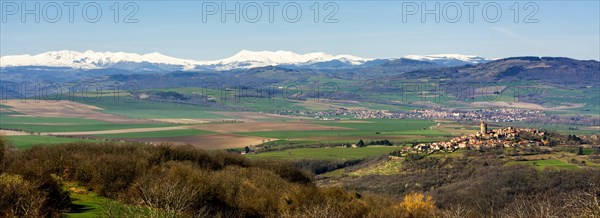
[(483, 127)]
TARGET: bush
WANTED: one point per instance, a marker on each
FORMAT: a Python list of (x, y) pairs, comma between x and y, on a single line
[(418, 205), (174, 188), (20, 197)]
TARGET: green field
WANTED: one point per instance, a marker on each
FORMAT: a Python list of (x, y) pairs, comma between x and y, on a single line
[(28, 141), (389, 167), (157, 134), (381, 125), (135, 108), (362, 128), (88, 204), (549, 163), (58, 124), (327, 153)]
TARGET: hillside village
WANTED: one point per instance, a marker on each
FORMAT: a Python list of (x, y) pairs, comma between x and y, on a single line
[(503, 137)]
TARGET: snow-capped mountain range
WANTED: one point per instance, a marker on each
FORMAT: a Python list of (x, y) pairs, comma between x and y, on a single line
[(449, 59), (242, 60)]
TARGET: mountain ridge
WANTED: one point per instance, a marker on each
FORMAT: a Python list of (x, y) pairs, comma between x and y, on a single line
[(242, 60)]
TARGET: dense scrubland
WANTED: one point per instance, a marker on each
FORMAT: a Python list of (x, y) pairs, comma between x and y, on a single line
[(170, 181), (480, 183), (181, 181)]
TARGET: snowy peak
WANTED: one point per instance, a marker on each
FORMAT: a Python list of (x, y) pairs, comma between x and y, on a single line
[(243, 59), (89, 59), (449, 59), (250, 59)]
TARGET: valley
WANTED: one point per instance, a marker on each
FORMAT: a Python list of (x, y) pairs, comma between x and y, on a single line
[(300, 109), (382, 130)]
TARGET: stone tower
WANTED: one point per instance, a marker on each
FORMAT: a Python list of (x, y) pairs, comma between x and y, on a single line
[(483, 127)]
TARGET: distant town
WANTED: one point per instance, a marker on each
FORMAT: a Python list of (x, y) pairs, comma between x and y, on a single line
[(503, 137), (498, 115)]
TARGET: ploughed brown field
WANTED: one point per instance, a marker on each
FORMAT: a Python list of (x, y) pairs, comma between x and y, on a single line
[(214, 141), (67, 109)]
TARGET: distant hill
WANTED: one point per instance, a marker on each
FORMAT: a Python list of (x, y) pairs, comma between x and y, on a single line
[(554, 70)]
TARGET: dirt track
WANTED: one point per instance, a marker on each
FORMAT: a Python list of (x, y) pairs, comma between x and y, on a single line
[(11, 133)]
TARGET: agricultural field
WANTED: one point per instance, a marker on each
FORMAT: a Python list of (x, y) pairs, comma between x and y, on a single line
[(121, 117), (28, 141), (59, 124), (549, 163), (328, 153), (135, 108), (156, 134), (208, 128), (354, 130)]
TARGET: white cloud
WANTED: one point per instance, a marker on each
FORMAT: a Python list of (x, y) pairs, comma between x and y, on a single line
[(505, 31)]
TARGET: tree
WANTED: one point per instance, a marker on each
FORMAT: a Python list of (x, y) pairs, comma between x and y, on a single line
[(360, 143), (3, 151), (247, 150), (580, 151)]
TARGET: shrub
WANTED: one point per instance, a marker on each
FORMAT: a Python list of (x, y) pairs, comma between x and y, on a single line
[(418, 205), (175, 188), (20, 197)]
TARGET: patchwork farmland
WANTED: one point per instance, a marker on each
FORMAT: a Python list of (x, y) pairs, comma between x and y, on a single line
[(65, 121)]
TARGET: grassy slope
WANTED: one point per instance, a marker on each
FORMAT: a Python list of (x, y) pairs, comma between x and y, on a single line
[(89, 204), (549, 163)]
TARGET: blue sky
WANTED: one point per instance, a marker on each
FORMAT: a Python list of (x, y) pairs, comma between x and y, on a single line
[(373, 29)]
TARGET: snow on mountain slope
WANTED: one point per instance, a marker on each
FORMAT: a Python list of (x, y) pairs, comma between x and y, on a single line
[(251, 59), (90, 59), (449, 59), (243, 59)]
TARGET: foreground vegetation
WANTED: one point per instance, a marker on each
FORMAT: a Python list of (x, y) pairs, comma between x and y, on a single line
[(171, 182), (484, 183), (135, 180)]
